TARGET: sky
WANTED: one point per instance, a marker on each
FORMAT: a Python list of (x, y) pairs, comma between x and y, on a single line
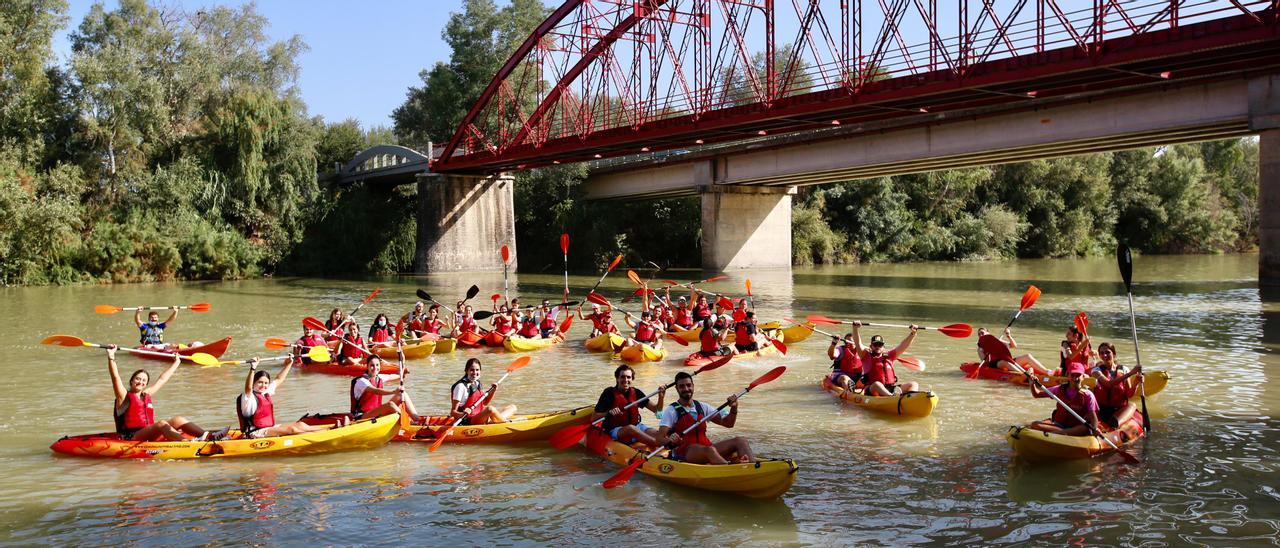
[(364, 56)]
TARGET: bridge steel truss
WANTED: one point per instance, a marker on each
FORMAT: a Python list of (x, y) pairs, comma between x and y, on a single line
[(612, 78)]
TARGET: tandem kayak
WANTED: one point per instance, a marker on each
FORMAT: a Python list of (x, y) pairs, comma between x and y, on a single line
[(516, 343), (519, 429), (797, 333), (698, 360), (912, 404), (216, 349), (1039, 446), (358, 435), (605, 342), (412, 351), (1155, 380), (763, 479), (641, 353)]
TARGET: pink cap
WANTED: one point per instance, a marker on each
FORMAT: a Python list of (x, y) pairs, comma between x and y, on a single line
[(1075, 367)]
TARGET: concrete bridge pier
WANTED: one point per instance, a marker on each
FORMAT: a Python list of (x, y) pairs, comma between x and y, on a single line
[(746, 227), (1264, 118), (462, 222)]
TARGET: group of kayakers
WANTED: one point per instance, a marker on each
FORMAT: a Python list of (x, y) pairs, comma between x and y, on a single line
[(868, 368), (660, 316)]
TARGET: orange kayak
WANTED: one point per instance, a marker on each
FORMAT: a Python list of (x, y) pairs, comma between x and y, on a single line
[(216, 349)]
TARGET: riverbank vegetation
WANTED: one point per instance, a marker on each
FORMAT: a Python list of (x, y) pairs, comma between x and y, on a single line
[(175, 145)]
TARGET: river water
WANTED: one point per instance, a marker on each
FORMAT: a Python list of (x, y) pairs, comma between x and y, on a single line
[(1208, 471)]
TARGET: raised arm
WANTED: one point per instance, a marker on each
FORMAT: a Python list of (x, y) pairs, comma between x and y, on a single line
[(1008, 338), (627, 318), (831, 350), (906, 343), (137, 317), (284, 371), (164, 377), (116, 384), (248, 379), (857, 338), (172, 316)]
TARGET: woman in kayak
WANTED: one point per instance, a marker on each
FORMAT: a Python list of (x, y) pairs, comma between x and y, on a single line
[(432, 324), (502, 321), (646, 330), (744, 333), (151, 332), (846, 367), (334, 324), (467, 393), (1026, 361), (368, 390), (352, 348), (711, 340), (414, 320), (134, 411), (256, 409), (381, 333), (466, 321), (1077, 397), (1114, 387), (877, 365)]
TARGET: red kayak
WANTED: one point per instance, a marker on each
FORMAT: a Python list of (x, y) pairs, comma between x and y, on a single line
[(215, 349), (470, 340), (350, 370), (493, 338)]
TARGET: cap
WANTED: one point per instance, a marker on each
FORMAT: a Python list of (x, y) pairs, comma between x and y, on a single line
[(877, 339), (1075, 367), (683, 298)]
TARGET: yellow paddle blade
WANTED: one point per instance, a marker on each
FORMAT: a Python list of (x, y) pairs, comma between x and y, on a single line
[(106, 309), (319, 354), (204, 359), (64, 340)]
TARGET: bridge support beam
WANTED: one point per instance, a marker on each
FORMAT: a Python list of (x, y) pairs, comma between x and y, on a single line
[(746, 227), (462, 221), (1264, 117)]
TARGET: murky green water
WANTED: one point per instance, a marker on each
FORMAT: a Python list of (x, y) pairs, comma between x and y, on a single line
[(1208, 474)]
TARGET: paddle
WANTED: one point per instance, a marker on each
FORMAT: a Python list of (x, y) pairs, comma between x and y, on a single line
[(110, 309), (1081, 322), (623, 476), (568, 436), (72, 341), (564, 248), (911, 362), (319, 354), (957, 330), (1028, 299), (607, 270), (721, 300), (750, 298), (1125, 259), (515, 365), (506, 256), (366, 300), (687, 284)]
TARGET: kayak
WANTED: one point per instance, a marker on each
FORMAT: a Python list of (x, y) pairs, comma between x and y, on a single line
[(771, 329), (493, 338), (520, 428), (445, 346), (763, 479), (350, 370), (216, 349), (412, 351), (914, 404), (358, 435), (797, 333), (641, 353), (1038, 446), (1155, 380), (470, 339), (698, 360), (605, 342), (516, 343)]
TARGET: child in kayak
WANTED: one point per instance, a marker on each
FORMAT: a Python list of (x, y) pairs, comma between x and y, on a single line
[(368, 390), (334, 324), (256, 409), (1077, 397), (1114, 387), (134, 411), (646, 330), (381, 333), (151, 332)]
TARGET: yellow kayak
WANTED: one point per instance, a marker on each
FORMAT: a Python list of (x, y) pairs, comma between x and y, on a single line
[(771, 329), (516, 343), (412, 351), (445, 346), (640, 353), (1155, 381), (915, 404), (763, 479), (797, 333), (605, 342), (366, 434), (1038, 446), (519, 428)]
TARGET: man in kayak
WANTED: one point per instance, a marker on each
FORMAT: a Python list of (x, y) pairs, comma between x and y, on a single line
[(646, 330), (134, 410), (256, 406), (1077, 397), (695, 447), (1026, 361), (1114, 387), (468, 391), (846, 367), (311, 338), (711, 340), (413, 320), (878, 375), (744, 333), (368, 390), (152, 331), (624, 425), (597, 318)]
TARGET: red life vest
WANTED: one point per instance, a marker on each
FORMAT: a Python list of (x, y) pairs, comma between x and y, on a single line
[(415, 323), (352, 351), (1116, 395), (645, 332), (708, 340), (263, 417), (501, 324), (879, 369), (610, 328), (1074, 399), (597, 321), (382, 334), (739, 314), (138, 413), (468, 325), (474, 394), (682, 317), (431, 326), (621, 401), (310, 341), (529, 330), (368, 400), (701, 312), (848, 363), (548, 322), (685, 419), (742, 333)]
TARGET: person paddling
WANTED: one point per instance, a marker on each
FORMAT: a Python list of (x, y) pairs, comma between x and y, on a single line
[(878, 375), (134, 408), (256, 406), (626, 426), (1075, 395), (334, 324), (151, 332), (368, 390), (846, 367), (504, 322), (695, 447), (468, 391), (1114, 387), (744, 333), (1027, 361)]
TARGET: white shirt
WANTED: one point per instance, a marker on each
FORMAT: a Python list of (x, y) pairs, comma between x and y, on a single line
[(249, 404), (363, 382), (460, 393), (669, 414)]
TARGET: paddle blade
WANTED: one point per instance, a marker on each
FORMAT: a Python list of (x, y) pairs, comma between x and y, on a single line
[(1127, 456), (1125, 259), (715, 278), (912, 362), (375, 293), (472, 292), (276, 342), (679, 340), (778, 344), (613, 263), (564, 326), (635, 278), (598, 299), (518, 363), (482, 315), (200, 307), (319, 354), (670, 282), (1029, 298), (63, 340), (494, 297), (440, 436), (1081, 322), (957, 330), (313, 323), (720, 361), (749, 288), (768, 377), (724, 302), (203, 359), (564, 244), (106, 309), (506, 254), (814, 318), (569, 436), (995, 348), (624, 475), (424, 295)]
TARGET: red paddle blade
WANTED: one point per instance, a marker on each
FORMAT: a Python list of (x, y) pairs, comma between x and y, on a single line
[(495, 297), (724, 302), (670, 282), (614, 263), (1029, 298), (518, 363), (1082, 323), (564, 326), (564, 244), (720, 361), (749, 288), (957, 330), (568, 436), (399, 330), (995, 348), (375, 293), (597, 298), (200, 307), (624, 475), (313, 323), (635, 278), (715, 278), (63, 340), (768, 377), (678, 339), (106, 309), (276, 342), (781, 347), (912, 362), (814, 318), (506, 254)]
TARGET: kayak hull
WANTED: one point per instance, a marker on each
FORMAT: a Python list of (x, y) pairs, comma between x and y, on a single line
[(642, 353), (698, 360), (1037, 446), (521, 344), (356, 436), (914, 404), (797, 333), (349, 370), (1155, 380), (493, 339), (216, 349), (764, 479), (445, 346), (412, 351), (604, 342), (470, 340), (520, 428)]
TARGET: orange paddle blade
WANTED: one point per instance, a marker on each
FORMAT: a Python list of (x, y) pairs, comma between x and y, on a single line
[(314, 323), (518, 363), (778, 344), (276, 342), (440, 436), (749, 288), (716, 278), (635, 278), (670, 282), (714, 364), (106, 309), (679, 340), (63, 340), (375, 293), (568, 321), (995, 348), (912, 362), (564, 244), (614, 263), (724, 302), (768, 377), (506, 254), (1029, 298), (568, 436), (1082, 323), (597, 298), (200, 307), (957, 330), (814, 318)]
